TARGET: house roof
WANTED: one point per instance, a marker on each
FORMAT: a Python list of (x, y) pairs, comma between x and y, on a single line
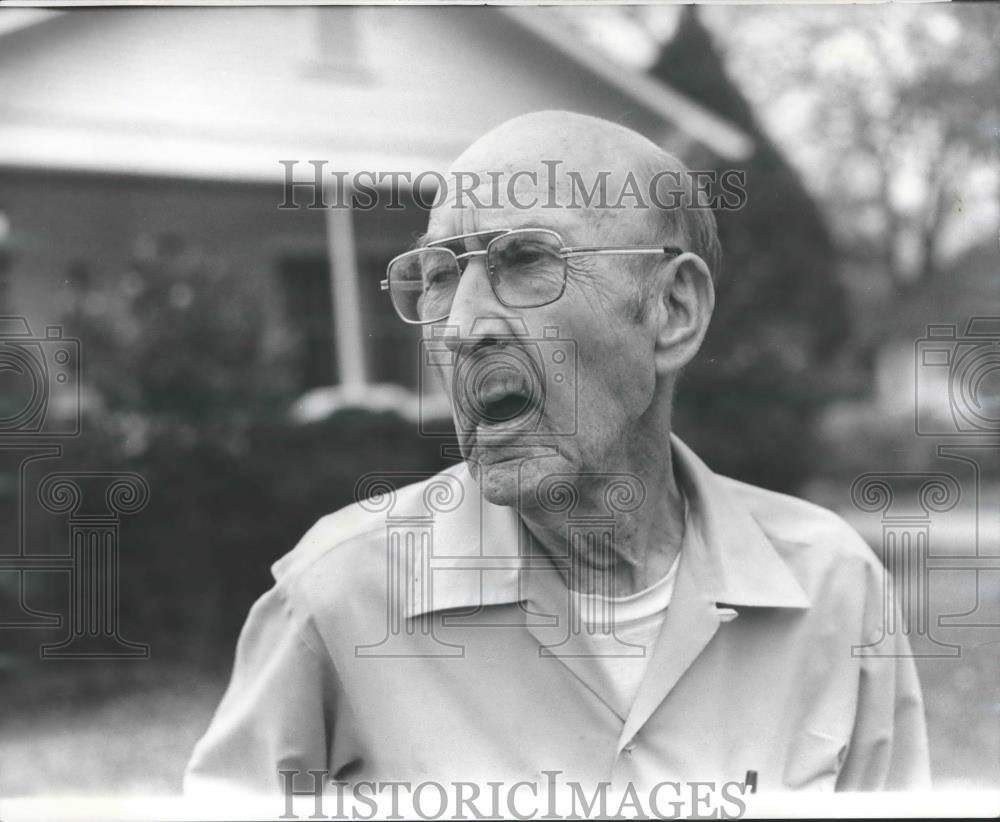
[(224, 93)]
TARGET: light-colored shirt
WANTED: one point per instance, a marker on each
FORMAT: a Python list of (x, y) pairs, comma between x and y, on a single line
[(399, 643), (622, 632)]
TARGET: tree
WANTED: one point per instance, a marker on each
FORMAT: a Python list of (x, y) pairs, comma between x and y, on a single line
[(749, 400), (896, 114)]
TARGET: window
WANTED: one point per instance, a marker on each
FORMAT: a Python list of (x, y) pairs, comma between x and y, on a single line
[(305, 281)]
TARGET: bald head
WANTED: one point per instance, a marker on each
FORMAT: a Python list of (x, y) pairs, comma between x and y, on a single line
[(578, 140), (628, 189)]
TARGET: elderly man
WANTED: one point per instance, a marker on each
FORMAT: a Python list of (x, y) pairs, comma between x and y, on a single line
[(581, 595)]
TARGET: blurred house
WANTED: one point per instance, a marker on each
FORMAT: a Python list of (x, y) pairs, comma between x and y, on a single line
[(123, 124)]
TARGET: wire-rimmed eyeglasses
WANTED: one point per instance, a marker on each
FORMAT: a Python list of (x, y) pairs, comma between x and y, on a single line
[(526, 268)]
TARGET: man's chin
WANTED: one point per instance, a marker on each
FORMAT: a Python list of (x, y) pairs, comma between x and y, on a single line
[(513, 478), (498, 484)]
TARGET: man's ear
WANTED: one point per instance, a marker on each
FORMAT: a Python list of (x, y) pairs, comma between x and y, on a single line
[(686, 299)]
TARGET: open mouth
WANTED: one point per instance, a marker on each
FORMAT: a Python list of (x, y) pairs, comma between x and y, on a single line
[(498, 390), (504, 408)]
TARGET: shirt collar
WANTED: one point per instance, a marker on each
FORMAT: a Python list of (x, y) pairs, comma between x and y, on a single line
[(741, 565), (476, 558)]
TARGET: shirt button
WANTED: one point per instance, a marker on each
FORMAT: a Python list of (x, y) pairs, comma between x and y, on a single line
[(627, 750)]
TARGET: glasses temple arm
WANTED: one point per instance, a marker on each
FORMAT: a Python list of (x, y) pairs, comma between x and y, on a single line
[(603, 249)]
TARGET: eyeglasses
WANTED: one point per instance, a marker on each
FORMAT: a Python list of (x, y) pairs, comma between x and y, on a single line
[(526, 268)]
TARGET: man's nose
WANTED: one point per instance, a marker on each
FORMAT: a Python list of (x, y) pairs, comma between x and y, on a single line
[(476, 316)]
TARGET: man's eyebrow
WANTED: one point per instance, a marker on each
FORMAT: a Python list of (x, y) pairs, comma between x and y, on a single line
[(425, 239), (459, 242)]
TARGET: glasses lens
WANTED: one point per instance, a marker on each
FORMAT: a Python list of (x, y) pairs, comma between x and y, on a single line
[(526, 268), (422, 284)]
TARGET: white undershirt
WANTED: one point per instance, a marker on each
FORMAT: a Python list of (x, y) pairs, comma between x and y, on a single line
[(624, 653)]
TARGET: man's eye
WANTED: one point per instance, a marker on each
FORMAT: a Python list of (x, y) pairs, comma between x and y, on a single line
[(524, 255), (439, 277)]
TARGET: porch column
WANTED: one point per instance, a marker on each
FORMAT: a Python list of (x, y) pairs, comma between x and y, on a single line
[(345, 297)]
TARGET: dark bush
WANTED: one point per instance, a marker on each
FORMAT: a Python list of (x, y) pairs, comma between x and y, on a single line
[(181, 390)]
